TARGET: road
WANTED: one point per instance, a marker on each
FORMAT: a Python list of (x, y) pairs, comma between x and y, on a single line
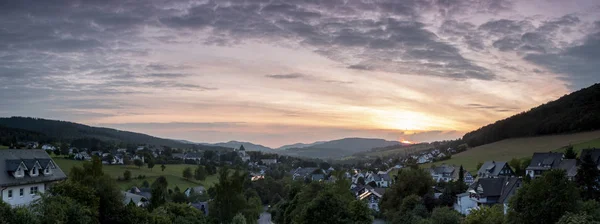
[(265, 218)]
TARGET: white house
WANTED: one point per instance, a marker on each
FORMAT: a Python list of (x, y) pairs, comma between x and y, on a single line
[(464, 204), (196, 190), (25, 173), (82, 156), (48, 147), (372, 196)]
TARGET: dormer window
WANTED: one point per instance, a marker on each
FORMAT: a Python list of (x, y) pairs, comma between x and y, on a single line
[(47, 171)]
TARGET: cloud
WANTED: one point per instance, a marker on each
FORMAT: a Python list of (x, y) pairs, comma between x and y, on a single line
[(287, 76)]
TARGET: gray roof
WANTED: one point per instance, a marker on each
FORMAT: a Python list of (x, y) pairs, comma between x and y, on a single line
[(492, 167), (128, 197), (385, 177), (570, 166), (304, 171), (510, 186), (443, 169), (502, 187), (318, 177), (545, 160), (8, 158)]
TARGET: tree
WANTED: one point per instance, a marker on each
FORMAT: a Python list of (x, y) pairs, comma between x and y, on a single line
[(544, 199), (570, 153), (486, 215), (162, 167), (515, 164), (445, 215), (576, 218), (150, 164), (361, 181), (461, 175), (360, 213), (127, 175), (228, 197), (587, 178), (238, 219), (200, 173), (159, 192), (64, 148), (327, 207), (145, 184), (187, 173), (138, 163), (408, 182)]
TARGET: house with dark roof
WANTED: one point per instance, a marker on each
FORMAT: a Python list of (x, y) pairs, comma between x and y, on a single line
[(303, 173), (491, 191), (495, 169), (541, 162), (193, 156), (446, 173), (372, 196), (25, 174), (136, 199)]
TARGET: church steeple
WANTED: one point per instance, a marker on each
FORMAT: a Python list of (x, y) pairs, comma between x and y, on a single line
[(242, 148)]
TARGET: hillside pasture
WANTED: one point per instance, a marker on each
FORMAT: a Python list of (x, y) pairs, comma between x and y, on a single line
[(173, 173), (507, 149)]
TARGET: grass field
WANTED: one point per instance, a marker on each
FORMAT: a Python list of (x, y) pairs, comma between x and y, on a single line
[(3, 147), (507, 149), (173, 173)]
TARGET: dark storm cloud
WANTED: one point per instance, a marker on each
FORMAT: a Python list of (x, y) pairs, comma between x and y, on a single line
[(286, 76)]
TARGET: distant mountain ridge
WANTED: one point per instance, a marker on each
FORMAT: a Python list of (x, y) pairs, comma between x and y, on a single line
[(247, 145), (576, 112), (300, 145), (339, 148), (64, 130)]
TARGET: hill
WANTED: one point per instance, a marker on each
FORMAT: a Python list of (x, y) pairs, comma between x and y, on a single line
[(507, 149), (247, 145), (575, 112), (299, 145), (338, 148), (69, 131)]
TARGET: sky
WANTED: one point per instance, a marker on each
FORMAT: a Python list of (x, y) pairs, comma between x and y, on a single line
[(280, 72)]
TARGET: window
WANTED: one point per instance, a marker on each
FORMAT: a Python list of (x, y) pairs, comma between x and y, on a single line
[(9, 194), (34, 171), (21, 191), (33, 190)]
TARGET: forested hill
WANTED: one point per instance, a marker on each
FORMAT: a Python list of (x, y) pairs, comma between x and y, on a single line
[(576, 112), (69, 131)]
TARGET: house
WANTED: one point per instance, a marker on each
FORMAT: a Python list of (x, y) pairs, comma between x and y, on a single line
[(446, 173), (491, 191), (269, 161), (541, 162), (317, 177), (121, 150), (426, 158), (372, 196), (303, 173), (464, 204), (48, 147), (137, 200), (192, 156), (140, 157), (96, 153), (195, 190), (443, 173), (495, 169), (381, 179), (177, 155), (25, 174), (242, 153), (82, 156)]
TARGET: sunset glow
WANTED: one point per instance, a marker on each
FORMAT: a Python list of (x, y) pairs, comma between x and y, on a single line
[(276, 73)]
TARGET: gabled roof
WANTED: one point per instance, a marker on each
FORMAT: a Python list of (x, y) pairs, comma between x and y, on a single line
[(492, 167), (569, 166), (443, 169), (129, 197), (545, 160), (502, 187), (9, 158)]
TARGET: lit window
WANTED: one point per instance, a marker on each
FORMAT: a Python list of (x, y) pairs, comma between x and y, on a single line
[(9, 194)]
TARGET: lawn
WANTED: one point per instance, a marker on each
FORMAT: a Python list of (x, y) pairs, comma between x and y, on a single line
[(3, 147), (507, 149), (173, 173)]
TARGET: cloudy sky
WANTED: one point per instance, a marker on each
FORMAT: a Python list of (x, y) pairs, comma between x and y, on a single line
[(277, 72)]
